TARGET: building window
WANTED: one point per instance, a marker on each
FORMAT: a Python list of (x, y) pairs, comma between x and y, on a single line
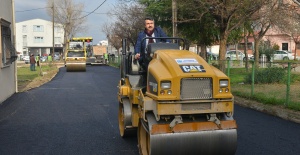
[(298, 46), (285, 46), (38, 39), (24, 28), (38, 28), (25, 40), (7, 49), (57, 39), (57, 29)]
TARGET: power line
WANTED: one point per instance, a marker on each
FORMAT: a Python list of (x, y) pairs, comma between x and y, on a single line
[(98, 13), (89, 13), (33, 9), (94, 10)]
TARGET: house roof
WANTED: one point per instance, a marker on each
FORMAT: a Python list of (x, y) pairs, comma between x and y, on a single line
[(36, 19)]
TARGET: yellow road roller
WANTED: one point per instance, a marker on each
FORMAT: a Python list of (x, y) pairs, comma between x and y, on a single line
[(178, 104), (75, 56)]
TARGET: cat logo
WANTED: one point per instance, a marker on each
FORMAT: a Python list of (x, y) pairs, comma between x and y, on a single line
[(192, 68)]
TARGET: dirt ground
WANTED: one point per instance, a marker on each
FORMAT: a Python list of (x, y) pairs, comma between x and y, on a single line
[(47, 76), (276, 110)]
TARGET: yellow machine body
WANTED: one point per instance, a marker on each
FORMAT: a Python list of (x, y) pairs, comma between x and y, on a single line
[(186, 106), (76, 54)]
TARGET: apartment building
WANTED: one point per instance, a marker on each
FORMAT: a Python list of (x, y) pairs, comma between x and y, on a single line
[(36, 37), (8, 76)]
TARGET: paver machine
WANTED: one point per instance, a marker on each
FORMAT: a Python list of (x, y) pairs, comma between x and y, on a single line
[(76, 53), (178, 104)]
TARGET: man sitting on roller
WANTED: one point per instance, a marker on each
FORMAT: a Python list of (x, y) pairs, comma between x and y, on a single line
[(150, 31)]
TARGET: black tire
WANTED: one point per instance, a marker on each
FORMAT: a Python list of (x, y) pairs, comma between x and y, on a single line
[(285, 58)]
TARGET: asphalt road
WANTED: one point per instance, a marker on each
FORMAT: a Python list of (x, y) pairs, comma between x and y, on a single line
[(76, 113)]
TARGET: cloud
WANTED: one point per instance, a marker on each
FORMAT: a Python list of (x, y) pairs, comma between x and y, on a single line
[(29, 4), (95, 21), (30, 9)]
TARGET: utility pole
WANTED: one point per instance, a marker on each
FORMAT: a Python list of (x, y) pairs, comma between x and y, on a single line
[(53, 29), (174, 17)]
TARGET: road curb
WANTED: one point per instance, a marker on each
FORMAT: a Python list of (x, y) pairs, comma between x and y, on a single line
[(275, 110)]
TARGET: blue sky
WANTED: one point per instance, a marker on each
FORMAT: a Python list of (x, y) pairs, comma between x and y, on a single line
[(94, 21)]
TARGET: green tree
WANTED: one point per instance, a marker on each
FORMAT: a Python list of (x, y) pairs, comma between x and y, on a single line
[(190, 25), (227, 16), (203, 33), (161, 11)]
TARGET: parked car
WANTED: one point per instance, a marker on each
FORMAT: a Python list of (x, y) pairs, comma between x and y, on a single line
[(26, 59), (232, 55), (282, 55), (43, 58), (211, 55), (56, 57)]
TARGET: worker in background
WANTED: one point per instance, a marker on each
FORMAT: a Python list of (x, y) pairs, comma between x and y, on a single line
[(106, 58), (32, 62), (49, 58), (150, 31), (37, 59)]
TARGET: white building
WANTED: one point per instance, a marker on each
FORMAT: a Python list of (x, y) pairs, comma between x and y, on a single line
[(8, 69), (36, 37)]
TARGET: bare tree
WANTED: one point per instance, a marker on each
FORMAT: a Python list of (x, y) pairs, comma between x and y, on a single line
[(295, 33), (289, 23), (69, 14), (113, 39), (276, 14), (129, 22)]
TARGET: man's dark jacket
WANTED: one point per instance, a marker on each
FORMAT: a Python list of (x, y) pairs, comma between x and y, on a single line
[(32, 60), (140, 46)]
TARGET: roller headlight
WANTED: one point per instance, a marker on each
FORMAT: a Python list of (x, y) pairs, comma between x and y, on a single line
[(223, 83), (165, 85)]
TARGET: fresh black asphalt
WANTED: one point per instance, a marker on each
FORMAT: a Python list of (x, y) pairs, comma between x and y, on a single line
[(77, 113)]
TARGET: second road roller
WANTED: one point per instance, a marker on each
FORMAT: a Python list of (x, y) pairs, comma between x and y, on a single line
[(75, 56), (177, 104)]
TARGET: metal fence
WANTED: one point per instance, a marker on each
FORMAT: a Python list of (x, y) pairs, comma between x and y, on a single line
[(244, 81), (271, 82), (114, 61)]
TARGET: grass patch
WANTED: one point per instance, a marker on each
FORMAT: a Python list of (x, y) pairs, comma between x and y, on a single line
[(237, 75), (116, 65), (25, 76), (273, 94)]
